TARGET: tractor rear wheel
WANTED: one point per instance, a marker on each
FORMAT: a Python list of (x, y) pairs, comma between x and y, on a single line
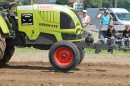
[(2, 47), (9, 51), (82, 54), (64, 56)]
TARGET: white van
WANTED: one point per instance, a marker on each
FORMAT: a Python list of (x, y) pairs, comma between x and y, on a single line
[(120, 16)]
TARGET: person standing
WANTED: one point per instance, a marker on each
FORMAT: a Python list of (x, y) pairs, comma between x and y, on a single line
[(126, 36), (85, 22), (106, 19), (86, 18)]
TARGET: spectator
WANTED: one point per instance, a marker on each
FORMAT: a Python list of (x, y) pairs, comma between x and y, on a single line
[(126, 35), (106, 19), (86, 18), (85, 21), (110, 34)]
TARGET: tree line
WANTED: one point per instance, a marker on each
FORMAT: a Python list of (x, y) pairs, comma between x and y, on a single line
[(107, 4), (25, 2), (91, 3), (101, 3)]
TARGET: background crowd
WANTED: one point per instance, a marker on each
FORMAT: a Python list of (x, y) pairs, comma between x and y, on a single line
[(107, 19)]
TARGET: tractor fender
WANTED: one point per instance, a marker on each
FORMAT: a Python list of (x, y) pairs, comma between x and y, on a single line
[(3, 26)]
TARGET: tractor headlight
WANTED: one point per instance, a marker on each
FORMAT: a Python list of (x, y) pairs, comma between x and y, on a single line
[(78, 31)]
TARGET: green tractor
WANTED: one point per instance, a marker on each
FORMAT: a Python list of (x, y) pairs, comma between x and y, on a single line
[(46, 27)]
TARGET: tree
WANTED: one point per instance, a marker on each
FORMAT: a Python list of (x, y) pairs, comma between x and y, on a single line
[(123, 4), (86, 5), (99, 2), (107, 3), (62, 2), (93, 3), (25, 2)]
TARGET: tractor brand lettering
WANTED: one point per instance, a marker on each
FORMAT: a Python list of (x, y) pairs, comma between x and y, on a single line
[(48, 25), (44, 7)]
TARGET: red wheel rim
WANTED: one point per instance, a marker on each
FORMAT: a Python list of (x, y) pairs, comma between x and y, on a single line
[(63, 56)]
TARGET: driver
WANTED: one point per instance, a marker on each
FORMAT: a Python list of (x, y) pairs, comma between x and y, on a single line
[(6, 4)]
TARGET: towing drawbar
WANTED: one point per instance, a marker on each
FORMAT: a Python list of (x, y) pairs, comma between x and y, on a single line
[(97, 46)]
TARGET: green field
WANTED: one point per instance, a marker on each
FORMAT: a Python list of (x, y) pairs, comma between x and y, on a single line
[(88, 50)]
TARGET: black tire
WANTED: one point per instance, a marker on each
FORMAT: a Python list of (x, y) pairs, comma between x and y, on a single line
[(64, 56), (82, 54), (2, 46), (9, 51)]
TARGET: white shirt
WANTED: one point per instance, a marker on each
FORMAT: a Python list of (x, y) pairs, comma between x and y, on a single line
[(85, 19)]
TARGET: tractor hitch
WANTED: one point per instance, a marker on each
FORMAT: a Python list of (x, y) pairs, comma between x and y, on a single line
[(98, 47)]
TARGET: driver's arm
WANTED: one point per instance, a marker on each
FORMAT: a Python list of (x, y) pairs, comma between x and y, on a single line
[(12, 3)]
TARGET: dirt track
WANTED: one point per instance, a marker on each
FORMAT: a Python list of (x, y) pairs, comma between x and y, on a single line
[(105, 72)]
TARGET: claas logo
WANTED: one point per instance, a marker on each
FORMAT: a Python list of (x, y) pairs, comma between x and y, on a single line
[(44, 7)]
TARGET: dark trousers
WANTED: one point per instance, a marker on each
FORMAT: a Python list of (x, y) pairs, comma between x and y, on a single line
[(102, 34)]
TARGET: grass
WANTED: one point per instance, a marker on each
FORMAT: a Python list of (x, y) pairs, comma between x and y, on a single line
[(88, 50), (27, 49), (117, 52)]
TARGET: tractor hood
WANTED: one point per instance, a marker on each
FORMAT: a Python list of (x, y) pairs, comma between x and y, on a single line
[(45, 7), (51, 7)]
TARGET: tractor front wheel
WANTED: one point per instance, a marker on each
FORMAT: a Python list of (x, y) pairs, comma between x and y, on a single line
[(64, 56)]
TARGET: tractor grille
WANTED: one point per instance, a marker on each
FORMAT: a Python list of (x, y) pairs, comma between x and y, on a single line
[(50, 16)]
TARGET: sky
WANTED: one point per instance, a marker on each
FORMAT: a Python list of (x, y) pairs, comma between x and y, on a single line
[(52, 0)]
